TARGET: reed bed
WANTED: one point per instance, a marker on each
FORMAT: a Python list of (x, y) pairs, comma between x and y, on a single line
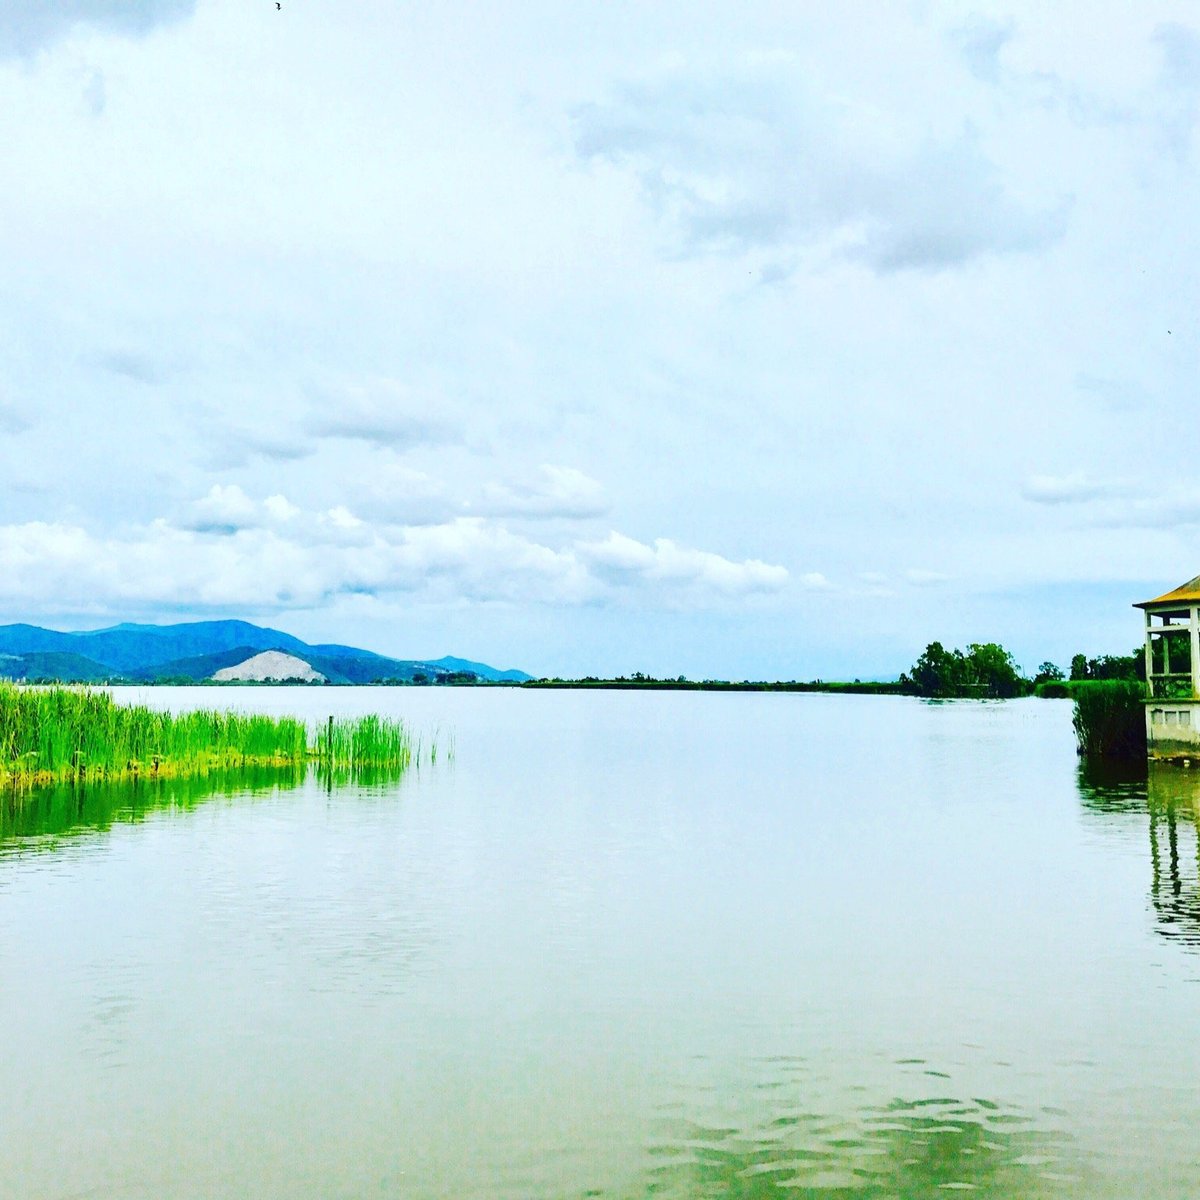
[(65, 734), (1110, 718)]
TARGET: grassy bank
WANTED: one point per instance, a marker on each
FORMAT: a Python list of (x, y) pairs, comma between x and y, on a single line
[(64, 734)]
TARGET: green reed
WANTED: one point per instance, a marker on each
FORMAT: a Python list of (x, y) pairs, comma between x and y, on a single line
[(58, 734), (1110, 718)]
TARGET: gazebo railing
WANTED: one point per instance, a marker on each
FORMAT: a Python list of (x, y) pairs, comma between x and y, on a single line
[(1177, 685)]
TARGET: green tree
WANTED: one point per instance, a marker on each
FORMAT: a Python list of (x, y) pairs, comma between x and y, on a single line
[(1079, 667), (1133, 666), (993, 671), (1048, 673), (938, 672), (986, 669)]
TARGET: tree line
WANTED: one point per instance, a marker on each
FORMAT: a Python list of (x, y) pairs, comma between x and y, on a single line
[(987, 669)]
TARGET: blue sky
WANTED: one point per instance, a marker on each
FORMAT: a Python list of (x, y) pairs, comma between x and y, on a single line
[(756, 339)]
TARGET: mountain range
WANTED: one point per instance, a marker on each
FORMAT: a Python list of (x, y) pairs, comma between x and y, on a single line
[(195, 651)]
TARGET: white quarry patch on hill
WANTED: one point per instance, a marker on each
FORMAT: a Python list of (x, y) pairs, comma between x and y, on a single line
[(270, 665)]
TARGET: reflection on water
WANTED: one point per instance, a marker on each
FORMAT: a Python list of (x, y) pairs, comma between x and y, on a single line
[(904, 1148), (1169, 796), (1173, 799), (39, 819), (669, 945)]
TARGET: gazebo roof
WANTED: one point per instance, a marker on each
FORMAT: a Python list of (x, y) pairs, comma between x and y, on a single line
[(1185, 593)]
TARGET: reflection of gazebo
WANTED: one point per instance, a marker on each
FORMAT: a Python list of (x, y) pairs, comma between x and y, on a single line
[(1173, 671), (1173, 800)]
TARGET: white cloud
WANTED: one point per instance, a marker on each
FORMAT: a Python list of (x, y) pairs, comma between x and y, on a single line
[(280, 508), (395, 494), (225, 509), (13, 420), (554, 492), (29, 25), (235, 551), (1075, 488), (920, 577), (386, 413), (760, 159), (981, 40), (1176, 509), (228, 444), (625, 561)]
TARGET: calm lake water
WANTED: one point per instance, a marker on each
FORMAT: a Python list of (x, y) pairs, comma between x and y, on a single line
[(622, 945)]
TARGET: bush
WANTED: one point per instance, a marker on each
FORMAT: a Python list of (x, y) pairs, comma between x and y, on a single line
[(1110, 718)]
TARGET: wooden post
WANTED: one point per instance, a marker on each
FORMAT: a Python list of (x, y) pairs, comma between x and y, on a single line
[(329, 743), (1149, 657), (1194, 631)]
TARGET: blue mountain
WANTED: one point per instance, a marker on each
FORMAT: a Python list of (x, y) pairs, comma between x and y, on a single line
[(196, 649)]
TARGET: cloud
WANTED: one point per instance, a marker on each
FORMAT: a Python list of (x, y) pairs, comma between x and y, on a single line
[(556, 492), (980, 40), (396, 494), (754, 162), (225, 509), (1075, 488), (95, 93), (12, 420), (27, 26), (624, 561), (919, 577), (129, 365), (233, 445), (1116, 395), (814, 581), (1173, 510), (1180, 85), (384, 413), (232, 551)]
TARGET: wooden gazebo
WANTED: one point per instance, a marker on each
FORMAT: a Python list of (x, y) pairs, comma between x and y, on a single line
[(1173, 672)]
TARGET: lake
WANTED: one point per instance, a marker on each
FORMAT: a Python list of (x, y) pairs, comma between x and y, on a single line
[(619, 944)]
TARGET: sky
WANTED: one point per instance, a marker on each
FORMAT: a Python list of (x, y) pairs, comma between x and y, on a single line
[(767, 340)]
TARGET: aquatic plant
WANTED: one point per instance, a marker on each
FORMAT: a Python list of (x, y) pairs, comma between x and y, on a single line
[(1110, 718), (60, 734)]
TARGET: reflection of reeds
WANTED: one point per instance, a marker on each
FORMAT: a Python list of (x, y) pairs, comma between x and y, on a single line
[(62, 734), (97, 804)]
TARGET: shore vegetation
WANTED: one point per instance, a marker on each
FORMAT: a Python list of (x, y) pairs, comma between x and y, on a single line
[(1110, 718), (68, 734)]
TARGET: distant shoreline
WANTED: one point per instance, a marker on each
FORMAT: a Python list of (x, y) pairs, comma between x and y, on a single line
[(857, 687), (860, 688)]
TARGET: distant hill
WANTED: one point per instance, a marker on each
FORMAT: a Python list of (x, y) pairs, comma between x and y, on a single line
[(195, 651), (271, 666), (53, 664)]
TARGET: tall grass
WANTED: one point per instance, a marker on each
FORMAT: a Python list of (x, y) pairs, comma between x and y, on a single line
[(1110, 718), (59, 734)]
